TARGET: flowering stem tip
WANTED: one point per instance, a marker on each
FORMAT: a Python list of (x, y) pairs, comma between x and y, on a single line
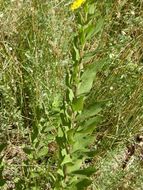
[(76, 4)]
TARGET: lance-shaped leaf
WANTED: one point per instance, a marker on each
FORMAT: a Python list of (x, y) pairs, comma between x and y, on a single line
[(87, 171), (80, 184), (93, 30), (71, 167), (82, 142), (89, 126), (88, 77), (67, 159), (76, 53), (77, 104), (83, 183), (90, 112)]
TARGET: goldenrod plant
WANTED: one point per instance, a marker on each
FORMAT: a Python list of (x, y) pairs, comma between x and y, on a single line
[(77, 123)]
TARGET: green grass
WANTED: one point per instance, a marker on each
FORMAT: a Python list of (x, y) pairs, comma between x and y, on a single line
[(35, 41)]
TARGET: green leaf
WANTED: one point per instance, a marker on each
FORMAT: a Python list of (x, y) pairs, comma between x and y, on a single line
[(28, 150), (71, 167), (92, 121), (88, 56), (78, 104), (60, 172), (91, 111), (35, 133), (92, 30), (70, 135), (87, 171), (86, 81), (60, 132), (99, 25), (82, 36), (91, 9), (83, 184), (63, 152), (88, 77), (67, 159), (89, 126), (2, 146), (42, 152), (76, 52), (82, 142), (56, 102), (90, 154), (71, 95)]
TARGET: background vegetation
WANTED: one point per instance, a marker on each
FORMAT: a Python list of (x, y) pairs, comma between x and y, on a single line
[(35, 42)]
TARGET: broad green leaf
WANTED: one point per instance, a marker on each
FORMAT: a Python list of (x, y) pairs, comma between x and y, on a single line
[(28, 150), (82, 142), (60, 172), (88, 56), (71, 167), (89, 126), (60, 132), (64, 152), (87, 80), (71, 95), (92, 30), (88, 77), (79, 184), (67, 159), (83, 184), (90, 154), (92, 121), (78, 104), (87, 171), (35, 133), (56, 103), (43, 152), (90, 112), (84, 154), (70, 135), (82, 36), (99, 25)]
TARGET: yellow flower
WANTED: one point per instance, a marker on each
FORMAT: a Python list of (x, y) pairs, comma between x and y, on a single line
[(76, 4)]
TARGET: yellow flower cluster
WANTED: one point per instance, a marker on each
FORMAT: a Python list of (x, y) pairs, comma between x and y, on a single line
[(76, 4)]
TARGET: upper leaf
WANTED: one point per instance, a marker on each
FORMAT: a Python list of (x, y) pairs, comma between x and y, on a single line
[(88, 77), (91, 111)]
